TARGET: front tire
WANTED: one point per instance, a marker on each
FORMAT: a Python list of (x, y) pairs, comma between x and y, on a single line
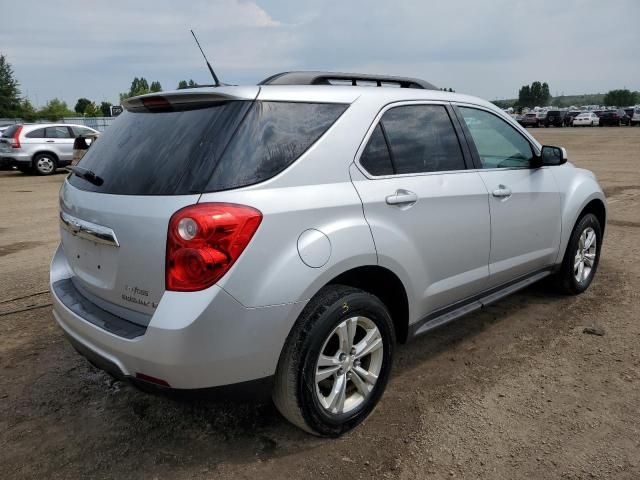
[(581, 257), (336, 362)]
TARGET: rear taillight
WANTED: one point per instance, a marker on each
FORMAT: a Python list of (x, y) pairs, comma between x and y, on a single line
[(16, 137), (203, 242)]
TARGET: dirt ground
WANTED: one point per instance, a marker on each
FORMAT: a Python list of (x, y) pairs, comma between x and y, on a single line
[(514, 391)]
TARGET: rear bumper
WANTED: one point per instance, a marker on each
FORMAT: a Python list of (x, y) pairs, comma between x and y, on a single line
[(194, 340), (15, 158)]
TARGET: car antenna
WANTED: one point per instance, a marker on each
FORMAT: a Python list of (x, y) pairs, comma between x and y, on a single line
[(213, 74)]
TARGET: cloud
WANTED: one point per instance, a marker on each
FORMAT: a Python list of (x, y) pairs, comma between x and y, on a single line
[(73, 48)]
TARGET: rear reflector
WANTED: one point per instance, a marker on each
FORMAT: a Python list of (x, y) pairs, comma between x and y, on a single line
[(150, 379)]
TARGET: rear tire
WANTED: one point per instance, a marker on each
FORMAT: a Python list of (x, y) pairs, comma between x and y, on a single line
[(336, 313), (581, 257), (45, 164)]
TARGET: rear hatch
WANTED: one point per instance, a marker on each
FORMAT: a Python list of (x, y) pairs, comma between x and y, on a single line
[(152, 161), (159, 157)]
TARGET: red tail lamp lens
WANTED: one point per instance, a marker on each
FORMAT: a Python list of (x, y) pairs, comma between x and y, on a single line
[(16, 137), (204, 241)]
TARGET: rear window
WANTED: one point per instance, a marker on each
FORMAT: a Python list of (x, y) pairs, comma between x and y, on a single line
[(9, 132), (228, 145)]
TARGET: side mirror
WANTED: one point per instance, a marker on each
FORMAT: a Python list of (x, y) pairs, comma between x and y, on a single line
[(550, 156)]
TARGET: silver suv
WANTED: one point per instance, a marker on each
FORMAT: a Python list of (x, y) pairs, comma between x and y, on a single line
[(40, 147), (288, 234)]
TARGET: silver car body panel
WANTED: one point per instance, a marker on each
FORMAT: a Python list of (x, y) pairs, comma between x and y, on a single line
[(456, 246)]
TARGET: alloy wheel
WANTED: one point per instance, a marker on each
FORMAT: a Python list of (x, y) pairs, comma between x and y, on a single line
[(349, 364), (585, 257)]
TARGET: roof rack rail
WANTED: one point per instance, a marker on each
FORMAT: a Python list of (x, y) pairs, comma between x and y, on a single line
[(325, 78)]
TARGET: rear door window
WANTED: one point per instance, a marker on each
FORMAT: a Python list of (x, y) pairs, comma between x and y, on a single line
[(376, 159), (422, 139), (57, 132), (38, 133)]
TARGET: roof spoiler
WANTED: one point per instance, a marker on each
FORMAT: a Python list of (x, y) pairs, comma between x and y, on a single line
[(325, 78), (188, 98)]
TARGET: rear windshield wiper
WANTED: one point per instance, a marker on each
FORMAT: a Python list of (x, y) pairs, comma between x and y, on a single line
[(86, 174)]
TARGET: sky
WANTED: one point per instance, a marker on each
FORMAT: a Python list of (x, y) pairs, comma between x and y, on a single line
[(488, 48)]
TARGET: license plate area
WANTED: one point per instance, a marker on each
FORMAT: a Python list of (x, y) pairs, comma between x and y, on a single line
[(92, 262)]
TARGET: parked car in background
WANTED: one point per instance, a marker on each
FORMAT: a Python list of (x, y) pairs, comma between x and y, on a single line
[(40, 148), (635, 118), (568, 118), (586, 119), (287, 234), (555, 118), (529, 120), (541, 115), (614, 118)]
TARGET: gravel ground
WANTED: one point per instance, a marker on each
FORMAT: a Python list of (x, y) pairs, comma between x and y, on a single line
[(514, 391)]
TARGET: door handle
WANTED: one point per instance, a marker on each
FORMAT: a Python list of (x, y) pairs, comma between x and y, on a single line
[(402, 197), (51, 141), (502, 192)]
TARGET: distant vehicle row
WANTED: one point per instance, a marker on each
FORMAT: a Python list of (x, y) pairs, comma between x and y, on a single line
[(575, 118)]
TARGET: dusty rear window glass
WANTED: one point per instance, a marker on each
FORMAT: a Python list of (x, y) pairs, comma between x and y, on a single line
[(272, 137), (229, 145)]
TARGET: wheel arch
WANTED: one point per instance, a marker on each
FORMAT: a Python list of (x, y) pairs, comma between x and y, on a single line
[(597, 208), (385, 285), (49, 152)]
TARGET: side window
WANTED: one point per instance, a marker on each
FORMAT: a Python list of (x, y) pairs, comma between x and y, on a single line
[(57, 132), (422, 139), (499, 145), (39, 133), (81, 131), (376, 159)]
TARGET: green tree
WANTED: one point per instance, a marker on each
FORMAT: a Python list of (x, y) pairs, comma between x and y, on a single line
[(545, 96), (535, 95), (92, 110), (524, 96), (81, 105), (55, 109), (155, 87), (620, 98), (105, 108), (184, 84), (139, 86), (9, 90), (27, 112)]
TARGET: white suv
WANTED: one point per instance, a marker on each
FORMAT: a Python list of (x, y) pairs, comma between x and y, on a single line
[(40, 147), (287, 234)]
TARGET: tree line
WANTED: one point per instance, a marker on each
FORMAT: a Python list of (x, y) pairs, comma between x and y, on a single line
[(14, 105), (538, 94)]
